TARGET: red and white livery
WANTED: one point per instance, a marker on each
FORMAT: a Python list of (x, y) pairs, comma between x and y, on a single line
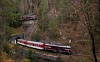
[(32, 44), (44, 46), (58, 48)]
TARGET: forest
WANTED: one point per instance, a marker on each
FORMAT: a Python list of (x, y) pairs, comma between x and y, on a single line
[(57, 21)]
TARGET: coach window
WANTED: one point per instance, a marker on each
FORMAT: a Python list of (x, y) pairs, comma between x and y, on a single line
[(31, 44), (34, 44)]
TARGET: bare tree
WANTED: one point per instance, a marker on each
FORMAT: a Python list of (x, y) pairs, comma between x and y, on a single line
[(90, 22)]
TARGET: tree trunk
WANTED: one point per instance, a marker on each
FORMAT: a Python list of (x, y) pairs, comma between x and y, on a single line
[(93, 46)]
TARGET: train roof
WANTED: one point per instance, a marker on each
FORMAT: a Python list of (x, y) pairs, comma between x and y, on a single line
[(31, 41), (58, 45), (35, 42)]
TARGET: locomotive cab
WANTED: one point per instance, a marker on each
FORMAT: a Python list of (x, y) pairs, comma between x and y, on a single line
[(68, 50)]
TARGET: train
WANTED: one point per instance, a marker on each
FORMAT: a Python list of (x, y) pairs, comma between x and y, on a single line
[(27, 17), (44, 46)]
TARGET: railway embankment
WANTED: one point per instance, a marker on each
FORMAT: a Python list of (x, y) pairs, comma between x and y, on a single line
[(39, 55)]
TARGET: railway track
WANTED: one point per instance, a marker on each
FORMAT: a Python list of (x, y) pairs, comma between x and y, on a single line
[(54, 57), (42, 54)]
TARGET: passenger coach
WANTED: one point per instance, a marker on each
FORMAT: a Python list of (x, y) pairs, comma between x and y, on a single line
[(32, 44), (44, 46)]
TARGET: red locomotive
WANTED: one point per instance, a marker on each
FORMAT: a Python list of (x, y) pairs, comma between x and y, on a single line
[(45, 46), (58, 48)]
